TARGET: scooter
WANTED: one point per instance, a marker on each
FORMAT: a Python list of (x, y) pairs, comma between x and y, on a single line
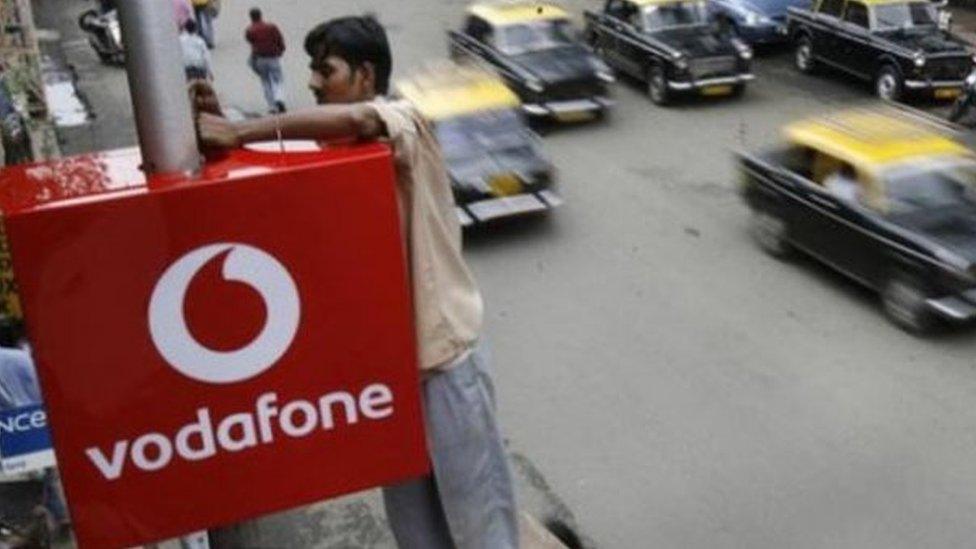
[(104, 35), (964, 103)]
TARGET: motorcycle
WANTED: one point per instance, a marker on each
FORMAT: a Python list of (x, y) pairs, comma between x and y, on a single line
[(966, 99), (104, 34)]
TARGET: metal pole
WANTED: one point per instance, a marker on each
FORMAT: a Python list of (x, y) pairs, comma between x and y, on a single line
[(157, 83)]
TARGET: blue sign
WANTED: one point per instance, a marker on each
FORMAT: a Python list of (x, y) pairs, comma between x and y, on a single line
[(25, 441)]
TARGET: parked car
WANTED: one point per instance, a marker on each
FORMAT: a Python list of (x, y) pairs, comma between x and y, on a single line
[(755, 21), (495, 162), (534, 48), (671, 45), (896, 44), (882, 198)]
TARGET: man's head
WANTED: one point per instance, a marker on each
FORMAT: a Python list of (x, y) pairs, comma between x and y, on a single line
[(255, 14), (190, 26), (351, 60)]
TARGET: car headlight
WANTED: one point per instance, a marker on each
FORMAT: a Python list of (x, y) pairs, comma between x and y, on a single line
[(603, 72), (971, 79), (919, 59), (744, 50), (680, 62), (535, 86)]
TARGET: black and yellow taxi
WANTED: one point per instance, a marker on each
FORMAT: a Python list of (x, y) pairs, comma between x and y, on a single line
[(898, 45), (885, 198), (534, 48), (673, 46), (495, 161)]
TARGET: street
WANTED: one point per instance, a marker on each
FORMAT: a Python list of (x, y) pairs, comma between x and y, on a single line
[(676, 386)]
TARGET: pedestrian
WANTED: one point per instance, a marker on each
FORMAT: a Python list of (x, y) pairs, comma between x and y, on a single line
[(203, 11), (267, 47), (196, 55), (183, 12), (468, 502)]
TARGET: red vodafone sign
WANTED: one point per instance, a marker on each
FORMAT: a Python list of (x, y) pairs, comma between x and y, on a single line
[(217, 350)]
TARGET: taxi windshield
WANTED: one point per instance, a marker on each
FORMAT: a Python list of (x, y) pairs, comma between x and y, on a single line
[(930, 186), (904, 16), (489, 132), (535, 36), (678, 14)]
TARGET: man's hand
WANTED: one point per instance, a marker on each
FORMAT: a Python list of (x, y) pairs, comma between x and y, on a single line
[(216, 132), (203, 98)]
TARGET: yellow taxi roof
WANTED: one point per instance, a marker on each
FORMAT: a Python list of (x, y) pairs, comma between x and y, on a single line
[(871, 139), (507, 13), (883, 2), (450, 90)]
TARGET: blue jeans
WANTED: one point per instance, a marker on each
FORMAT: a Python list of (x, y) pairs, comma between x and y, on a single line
[(272, 81), (205, 25), (469, 501)]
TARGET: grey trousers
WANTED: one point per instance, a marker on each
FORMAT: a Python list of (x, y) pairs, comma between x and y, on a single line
[(469, 500)]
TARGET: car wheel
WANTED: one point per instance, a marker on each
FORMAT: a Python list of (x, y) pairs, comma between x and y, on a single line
[(657, 85), (888, 84), (904, 300), (804, 59), (770, 232), (738, 90), (959, 108)]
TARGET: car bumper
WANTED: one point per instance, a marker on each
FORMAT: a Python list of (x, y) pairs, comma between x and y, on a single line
[(569, 111), (483, 211), (953, 86), (710, 82)]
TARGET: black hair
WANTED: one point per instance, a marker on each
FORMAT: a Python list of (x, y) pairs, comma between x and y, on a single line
[(356, 40), (190, 26), (255, 14)]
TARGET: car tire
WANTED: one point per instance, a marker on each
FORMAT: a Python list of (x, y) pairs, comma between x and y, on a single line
[(959, 108), (738, 90), (657, 85), (803, 57), (904, 300), (771, 233), (888, 84)]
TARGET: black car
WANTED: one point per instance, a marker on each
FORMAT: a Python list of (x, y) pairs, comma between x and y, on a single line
[(495, 162), (896, 44), (671, 45), (533, 47), (882, 199)]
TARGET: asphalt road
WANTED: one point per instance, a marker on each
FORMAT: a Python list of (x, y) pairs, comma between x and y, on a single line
[(677, 387)]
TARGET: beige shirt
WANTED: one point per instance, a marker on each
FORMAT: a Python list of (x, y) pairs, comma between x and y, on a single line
[(447, 303)]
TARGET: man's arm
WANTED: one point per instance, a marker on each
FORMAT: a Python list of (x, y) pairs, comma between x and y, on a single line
[(324, 123)]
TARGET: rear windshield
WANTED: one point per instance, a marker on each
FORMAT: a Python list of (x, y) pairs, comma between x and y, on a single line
[(535, 36), (930, 187), (473, 135), (679, 14)]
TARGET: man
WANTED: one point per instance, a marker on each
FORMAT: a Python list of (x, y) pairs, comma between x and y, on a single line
[(183, 12), (267, 47), (196, 55), (469, 501), (202, 9)]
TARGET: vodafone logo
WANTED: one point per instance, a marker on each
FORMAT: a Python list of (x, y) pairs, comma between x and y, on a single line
[(246, 264)]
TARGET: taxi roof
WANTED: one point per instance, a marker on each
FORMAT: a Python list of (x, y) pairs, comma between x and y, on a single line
[(885, 2), (507, 13), (447, 91), (871, 139)]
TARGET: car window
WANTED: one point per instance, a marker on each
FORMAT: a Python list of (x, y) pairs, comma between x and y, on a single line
[(905, 16), (678, 14), (497, 132), (831, 7), (535, 36), (618, 9), (930, 186), (857, 14)]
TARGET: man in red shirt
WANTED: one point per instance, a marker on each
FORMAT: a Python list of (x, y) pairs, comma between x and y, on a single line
[(267, 47)]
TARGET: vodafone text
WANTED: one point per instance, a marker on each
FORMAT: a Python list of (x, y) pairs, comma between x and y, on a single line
[(199, 440)]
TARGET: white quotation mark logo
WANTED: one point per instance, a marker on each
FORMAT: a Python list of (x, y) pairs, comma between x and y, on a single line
[(246, 264)]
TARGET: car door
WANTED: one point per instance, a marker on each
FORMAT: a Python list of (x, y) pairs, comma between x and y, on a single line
[(832, 224), (854, 39), (632, 48), (825, 44), (610, 31)]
